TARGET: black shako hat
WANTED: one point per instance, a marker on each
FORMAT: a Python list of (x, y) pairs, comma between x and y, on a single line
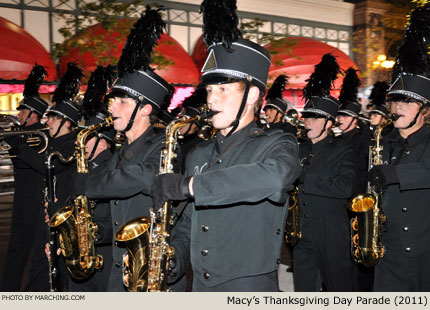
[(319, 103), (348, 97), (64, 95), (94, 104), (274, 95), (410, 78), (32, 100), (230, 58), (136, 78), (377, 98)]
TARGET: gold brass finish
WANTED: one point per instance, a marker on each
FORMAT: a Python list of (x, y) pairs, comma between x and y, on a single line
[(293, 233), (366, 225), (145, 264), (75, 223)]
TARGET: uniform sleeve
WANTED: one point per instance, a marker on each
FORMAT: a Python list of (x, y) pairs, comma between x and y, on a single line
[(271, 177), (414, 175), (181, 242), (125, 181), (38, 161), (338, 183)]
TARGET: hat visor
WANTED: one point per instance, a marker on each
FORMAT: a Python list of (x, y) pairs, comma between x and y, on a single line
[(120, 93), (218, 79), (308, 114)]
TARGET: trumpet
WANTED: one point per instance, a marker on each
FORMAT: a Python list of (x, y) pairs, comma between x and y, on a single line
[(41, 137), (8, 122)]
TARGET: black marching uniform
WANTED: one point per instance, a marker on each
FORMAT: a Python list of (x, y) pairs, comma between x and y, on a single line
[(405, 265), (236, 222), (126, 183), (27, 206), (330, 177)]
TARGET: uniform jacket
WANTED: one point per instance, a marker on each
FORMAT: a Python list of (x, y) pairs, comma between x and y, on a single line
[(360, 141), (330, 179), (406, 205), (126, 183), (235, 225), (66, 146)]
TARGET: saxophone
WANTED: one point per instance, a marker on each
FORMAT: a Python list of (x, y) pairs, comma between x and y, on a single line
[(145, 264), (292, 227), (367, 224), (77, 229)]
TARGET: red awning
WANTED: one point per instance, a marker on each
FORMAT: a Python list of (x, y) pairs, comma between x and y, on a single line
[(181, 71), (19, 52), (297, 56)]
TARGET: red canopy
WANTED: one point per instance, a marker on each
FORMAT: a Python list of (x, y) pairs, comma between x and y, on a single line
[(19, 52), (182, 70)]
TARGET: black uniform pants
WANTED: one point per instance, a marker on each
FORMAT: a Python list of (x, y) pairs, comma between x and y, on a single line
[(20, 242), (399, 273), (260, 283), (323, 253)]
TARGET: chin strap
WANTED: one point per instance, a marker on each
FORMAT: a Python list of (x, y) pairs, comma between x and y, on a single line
[(63, 120), (235, 123), (350, 123), (323, 129), (415, 118), (133, 115), (94, 148), (28, 117)]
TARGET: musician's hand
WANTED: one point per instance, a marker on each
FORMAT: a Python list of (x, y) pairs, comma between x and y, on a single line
[(170, 186), (383, 175), (172, 269), (48, 251)]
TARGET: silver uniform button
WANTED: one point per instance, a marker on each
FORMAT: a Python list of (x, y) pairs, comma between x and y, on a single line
[(205, 252), (408, 249), (206, 275), (405, 228)]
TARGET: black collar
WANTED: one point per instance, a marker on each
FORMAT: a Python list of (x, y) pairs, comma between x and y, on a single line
[(223, 142), (128, 151)]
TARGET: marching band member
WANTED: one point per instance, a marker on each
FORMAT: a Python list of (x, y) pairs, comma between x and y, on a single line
[(28, 196), (238, 181), (405, 176), (276, 107), (327, 181), (138, 95)]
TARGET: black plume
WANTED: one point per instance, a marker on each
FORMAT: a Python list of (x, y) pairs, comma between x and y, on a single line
[(321, 80), (277, 88), (220, 22), (69, 84), (98, 85), (111, 75), (350, 85), (197, 99), (34, 80), (141, 42), (413, 54), (379, 93)]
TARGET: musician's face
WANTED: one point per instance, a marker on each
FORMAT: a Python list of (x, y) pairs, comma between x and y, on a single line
[(406, 112), (272, 115), (226, 99), (23, 114), (345, 122), (314, 126), (53, 123), (122, 109), (375, 119)]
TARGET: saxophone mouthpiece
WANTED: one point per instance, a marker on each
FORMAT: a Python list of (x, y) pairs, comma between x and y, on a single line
[(395, 117), (206, 115)]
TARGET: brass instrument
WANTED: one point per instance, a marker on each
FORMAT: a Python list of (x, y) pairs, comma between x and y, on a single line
[(145, 264), (367, 225), (8, 121), (292, 228), (292, 118), (77, 229), (36, 137)]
